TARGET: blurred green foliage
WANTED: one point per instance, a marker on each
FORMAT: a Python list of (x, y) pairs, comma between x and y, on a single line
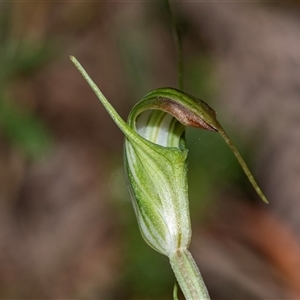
[(20, 57), (212, 168), (25, 131)]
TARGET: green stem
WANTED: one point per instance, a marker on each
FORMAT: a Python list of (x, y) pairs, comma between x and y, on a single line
[(178, 46), (188, 275)]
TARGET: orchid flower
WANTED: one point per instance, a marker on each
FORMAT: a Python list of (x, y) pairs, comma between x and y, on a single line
[(155, 165)]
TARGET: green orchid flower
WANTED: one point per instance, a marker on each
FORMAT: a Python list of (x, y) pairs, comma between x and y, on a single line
[(156, 170)]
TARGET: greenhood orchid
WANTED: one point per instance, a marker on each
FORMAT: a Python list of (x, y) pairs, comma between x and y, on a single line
[(155, 158)]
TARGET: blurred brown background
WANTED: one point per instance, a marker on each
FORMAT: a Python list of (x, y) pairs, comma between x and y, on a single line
[(67, 228)]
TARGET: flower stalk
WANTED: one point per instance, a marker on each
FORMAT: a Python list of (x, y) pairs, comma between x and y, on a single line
[(156, 172), (188, 274)]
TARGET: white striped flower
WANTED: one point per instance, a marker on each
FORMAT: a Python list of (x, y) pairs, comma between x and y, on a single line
[(156, 168)]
